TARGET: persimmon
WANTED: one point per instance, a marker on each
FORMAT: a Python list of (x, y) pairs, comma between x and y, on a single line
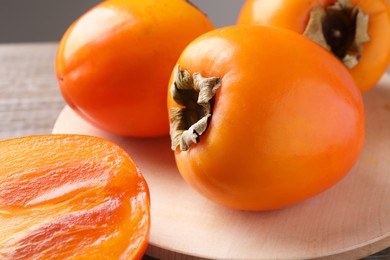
[(71, 196), (113, 64), (357, 32), (257, 126)]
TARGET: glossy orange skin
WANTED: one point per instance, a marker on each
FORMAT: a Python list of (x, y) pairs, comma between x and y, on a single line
[(294, 15), (113, 64), (285, 125), (71, 197)]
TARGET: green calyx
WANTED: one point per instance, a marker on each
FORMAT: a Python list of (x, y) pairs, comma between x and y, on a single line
[(195, 94)]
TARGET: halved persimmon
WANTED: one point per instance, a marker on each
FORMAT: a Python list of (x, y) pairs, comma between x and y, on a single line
[(70, 196)]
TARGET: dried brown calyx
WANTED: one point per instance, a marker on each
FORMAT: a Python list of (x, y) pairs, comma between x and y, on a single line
[(195, 94), (341, 28)]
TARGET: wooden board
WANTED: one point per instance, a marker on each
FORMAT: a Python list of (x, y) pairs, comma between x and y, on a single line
[(348, 221)]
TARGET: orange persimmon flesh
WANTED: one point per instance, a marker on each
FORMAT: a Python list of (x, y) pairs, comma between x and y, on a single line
[(71, 196)]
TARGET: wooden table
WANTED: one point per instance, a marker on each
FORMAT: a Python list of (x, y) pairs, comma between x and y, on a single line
[(30, 100)]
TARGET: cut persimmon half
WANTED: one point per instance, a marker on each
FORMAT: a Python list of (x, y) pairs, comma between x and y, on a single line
[(71, 196)]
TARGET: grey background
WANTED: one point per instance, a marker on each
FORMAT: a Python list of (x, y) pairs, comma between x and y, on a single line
[(47, 20)]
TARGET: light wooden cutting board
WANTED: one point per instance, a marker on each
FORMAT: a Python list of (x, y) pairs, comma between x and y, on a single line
[(348, 221)]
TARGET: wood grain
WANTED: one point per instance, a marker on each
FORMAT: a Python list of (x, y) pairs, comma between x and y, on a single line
[(29, 97), (30, 102)]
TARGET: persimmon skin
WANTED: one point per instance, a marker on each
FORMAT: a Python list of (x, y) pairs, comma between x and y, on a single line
[(294, 15), (285, 125), (114, 62), (70, 196)]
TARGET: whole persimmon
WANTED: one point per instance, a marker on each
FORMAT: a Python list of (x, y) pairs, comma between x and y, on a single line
[(357, 32), (263, 118), (113, 64), (71, 197)]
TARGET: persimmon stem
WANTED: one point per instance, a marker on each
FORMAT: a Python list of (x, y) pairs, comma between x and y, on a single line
[(340, 28), (195, 94)]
